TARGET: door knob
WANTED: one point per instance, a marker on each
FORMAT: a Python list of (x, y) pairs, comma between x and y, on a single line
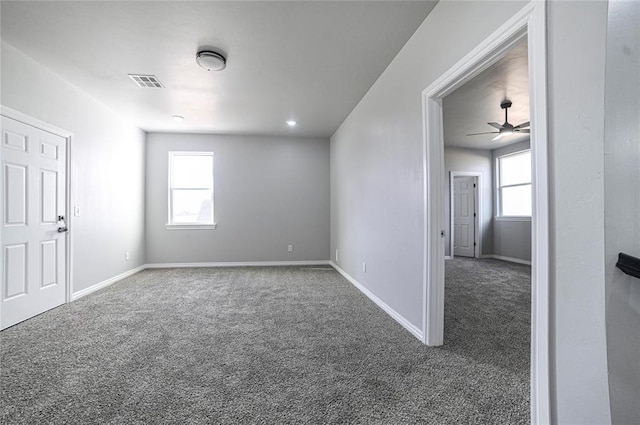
[(62, 229)]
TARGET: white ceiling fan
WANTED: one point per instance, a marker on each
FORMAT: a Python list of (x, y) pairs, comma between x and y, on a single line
[(506, 128)]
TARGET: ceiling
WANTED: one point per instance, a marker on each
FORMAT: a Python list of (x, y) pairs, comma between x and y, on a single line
[(310, 61), (469, 108)]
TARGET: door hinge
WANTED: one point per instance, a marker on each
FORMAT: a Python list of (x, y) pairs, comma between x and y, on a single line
[(474, 244), (474, 185), (474, 214)]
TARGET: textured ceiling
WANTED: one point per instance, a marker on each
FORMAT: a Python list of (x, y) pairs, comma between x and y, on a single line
[(472, 106), (304, 60)]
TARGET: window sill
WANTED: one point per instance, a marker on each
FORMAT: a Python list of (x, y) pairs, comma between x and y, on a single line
[(191, 226), (513, 218)]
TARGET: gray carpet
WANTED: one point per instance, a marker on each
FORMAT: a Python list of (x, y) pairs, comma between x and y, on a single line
[(270, 345)]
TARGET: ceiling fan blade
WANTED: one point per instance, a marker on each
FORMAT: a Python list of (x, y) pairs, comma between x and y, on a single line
[(495, 124), (524, 124), (522, 130), (489, 132)]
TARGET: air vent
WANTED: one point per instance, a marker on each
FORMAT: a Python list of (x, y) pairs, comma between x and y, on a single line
[(146, 81)]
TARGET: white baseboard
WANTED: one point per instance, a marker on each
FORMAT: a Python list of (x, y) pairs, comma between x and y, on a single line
[(503, 258), (415, 331), (448, 257), (238, 264), (105, 283)]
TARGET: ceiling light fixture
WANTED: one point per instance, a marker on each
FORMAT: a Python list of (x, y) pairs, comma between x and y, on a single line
[(211, 61), (178, 118), (505, 129), (291, 123)]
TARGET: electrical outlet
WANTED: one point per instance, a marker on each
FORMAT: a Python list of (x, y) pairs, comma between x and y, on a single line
[(290, 248), (364, 267), (126, 256)]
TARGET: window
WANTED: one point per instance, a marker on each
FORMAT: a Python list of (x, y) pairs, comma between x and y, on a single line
[(191, 190), (514, 185)]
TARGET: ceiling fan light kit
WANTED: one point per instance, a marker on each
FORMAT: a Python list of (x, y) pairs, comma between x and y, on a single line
[(505, 129), (211, 61)]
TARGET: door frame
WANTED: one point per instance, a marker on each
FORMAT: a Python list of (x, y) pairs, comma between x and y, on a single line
[(477, 209), (529, 22), (67, 135)]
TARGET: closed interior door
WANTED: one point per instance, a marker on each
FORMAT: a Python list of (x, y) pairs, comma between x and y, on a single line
[(463, 216), (33, 185)]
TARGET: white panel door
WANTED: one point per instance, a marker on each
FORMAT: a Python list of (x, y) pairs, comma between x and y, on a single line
[(463, 216), (33, 197)]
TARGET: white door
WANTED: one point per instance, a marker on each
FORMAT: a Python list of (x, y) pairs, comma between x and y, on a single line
[(463, 216), (33, 185)]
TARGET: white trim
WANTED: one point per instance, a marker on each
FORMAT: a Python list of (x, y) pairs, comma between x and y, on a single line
[(190, 226), (414, 330), (170, 188), (477, 210), (69, 223), (105, 283), (239, 264), (34, 122), (529, 22), (540, 273), (42, 125), (448, 257), (512, 218), (433, 269), (509, 259)]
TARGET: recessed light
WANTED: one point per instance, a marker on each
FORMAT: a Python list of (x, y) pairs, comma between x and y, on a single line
[(291, 123), (177, 118)]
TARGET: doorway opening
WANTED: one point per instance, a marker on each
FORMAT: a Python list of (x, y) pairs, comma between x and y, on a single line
[(487, 299), (528, 24)]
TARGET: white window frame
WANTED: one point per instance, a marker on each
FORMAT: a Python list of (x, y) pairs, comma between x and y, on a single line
[(499, 186), (188, 226)]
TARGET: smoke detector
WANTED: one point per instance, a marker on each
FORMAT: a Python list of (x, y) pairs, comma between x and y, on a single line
[(211, 61)]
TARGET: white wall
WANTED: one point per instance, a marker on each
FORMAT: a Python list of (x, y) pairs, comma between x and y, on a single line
[(107, 167), (511, 238), (576, 54), (377, 169), (269, 192), (459, 159), (622, 207)]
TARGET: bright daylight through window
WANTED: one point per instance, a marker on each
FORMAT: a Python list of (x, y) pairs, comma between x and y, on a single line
[(514, 185), (190, 189)]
